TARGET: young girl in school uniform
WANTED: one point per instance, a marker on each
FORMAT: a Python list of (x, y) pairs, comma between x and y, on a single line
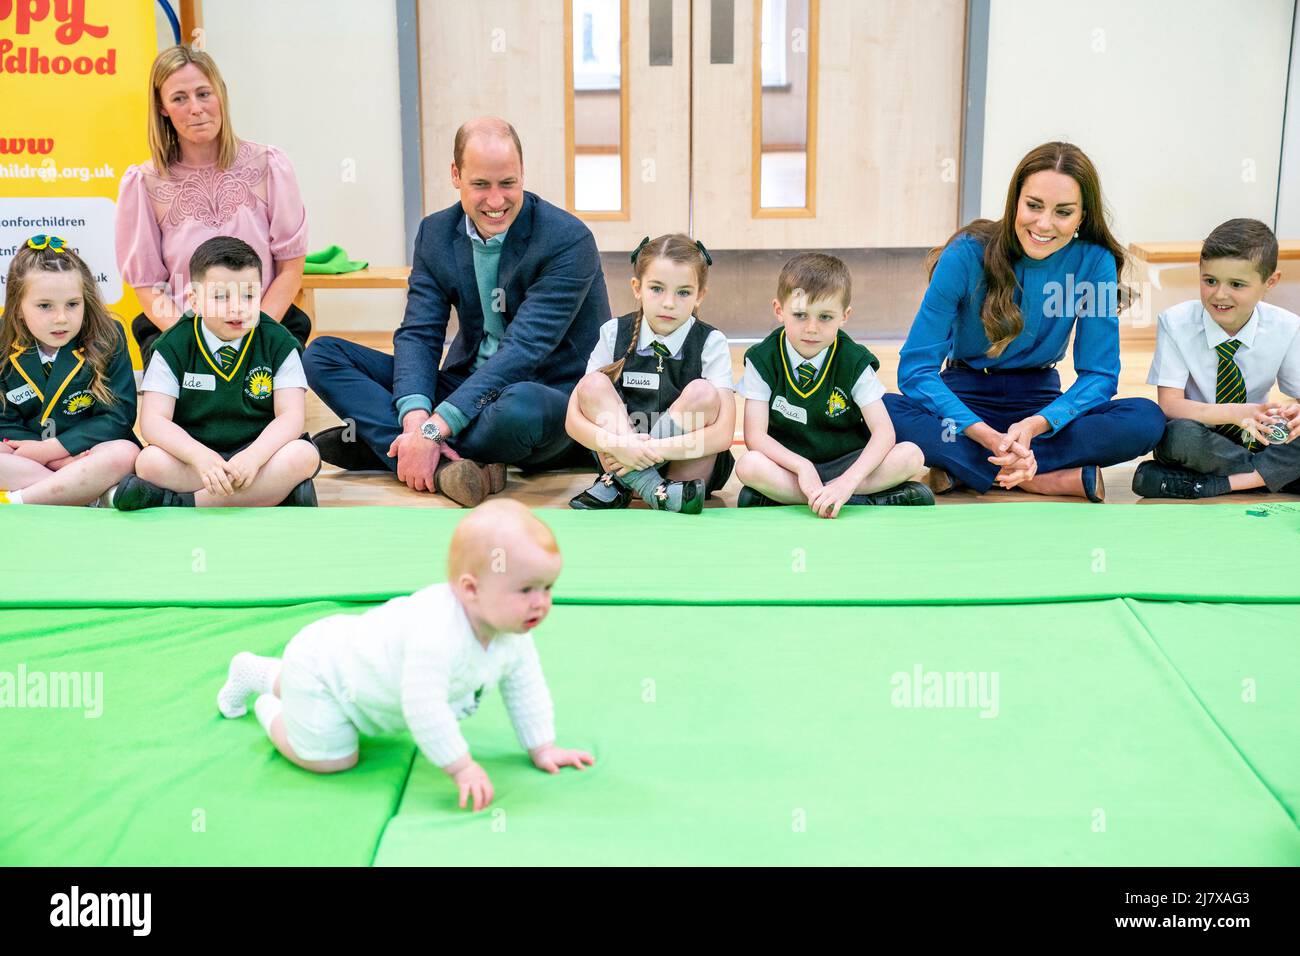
[(656, 403), (67, 393)]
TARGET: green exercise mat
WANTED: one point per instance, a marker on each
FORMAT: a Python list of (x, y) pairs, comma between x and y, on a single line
[(159, 777), (960, 555), (780, 735), (1243, 664), (740, 735)]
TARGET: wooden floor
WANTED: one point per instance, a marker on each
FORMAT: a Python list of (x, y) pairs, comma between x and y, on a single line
[(554, 489)]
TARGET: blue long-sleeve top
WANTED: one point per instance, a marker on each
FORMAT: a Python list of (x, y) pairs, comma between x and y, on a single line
[(1077, 282)]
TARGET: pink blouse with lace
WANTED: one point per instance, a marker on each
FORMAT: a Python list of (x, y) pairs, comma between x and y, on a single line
[(161, 221)]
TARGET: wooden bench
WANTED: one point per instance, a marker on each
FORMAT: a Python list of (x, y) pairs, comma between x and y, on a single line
[(1183, 252), (379, 277)]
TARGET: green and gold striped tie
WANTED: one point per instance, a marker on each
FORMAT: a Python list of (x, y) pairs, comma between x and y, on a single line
[(806, 372), (1230, 387), (226, 356)]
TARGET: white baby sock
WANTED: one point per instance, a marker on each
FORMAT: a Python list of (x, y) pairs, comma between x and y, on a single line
[(16, 498), (248, 675), (267, 707)]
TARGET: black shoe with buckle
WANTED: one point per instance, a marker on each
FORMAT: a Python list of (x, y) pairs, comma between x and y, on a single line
[(586, 501)]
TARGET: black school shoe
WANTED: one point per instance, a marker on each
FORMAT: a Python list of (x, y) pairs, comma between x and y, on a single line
[(1154, 480), (134, 493), (586, 501), (353, 455), (908, 493), (302, 496), (749, 498)]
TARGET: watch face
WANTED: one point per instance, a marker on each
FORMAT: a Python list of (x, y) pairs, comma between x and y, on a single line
[(430, 431)]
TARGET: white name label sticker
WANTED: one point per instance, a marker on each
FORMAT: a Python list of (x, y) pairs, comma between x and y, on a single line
[(202, 383), (792, 412), (641, 380), (21, 394)]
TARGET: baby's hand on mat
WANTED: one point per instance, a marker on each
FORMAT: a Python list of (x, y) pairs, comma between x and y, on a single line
[(551, 758), (473, 783)]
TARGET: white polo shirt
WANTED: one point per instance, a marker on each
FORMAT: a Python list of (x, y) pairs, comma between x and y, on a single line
[(715, 358), (1185, 357)]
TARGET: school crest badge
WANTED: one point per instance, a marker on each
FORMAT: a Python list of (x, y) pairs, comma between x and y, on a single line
[(78, 402), (258, 383), (837, 404)]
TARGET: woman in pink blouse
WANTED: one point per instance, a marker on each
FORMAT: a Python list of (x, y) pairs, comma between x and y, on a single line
[(204, 181)]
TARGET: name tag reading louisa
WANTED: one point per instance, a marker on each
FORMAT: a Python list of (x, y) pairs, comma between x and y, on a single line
[(641, 380), (20, 394), (202, 383), (792, 412)]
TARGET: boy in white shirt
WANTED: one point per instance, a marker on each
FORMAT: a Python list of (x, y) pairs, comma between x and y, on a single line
[(422, 662), (1215, 363)]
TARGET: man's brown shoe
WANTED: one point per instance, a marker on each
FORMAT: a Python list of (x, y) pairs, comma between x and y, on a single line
[(464, 482), (496, 475)]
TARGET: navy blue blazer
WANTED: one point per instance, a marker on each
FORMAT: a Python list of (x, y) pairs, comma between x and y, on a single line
[(555, 303)]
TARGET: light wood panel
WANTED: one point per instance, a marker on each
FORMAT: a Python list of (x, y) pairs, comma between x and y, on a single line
[(888, 131), (492, 57)]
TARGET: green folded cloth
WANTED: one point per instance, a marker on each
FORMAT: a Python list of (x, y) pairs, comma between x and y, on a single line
[(331, 261)]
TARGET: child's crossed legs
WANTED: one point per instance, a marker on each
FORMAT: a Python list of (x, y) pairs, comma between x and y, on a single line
[(291, 465), (75, 480), (696, 408), (904, 462)]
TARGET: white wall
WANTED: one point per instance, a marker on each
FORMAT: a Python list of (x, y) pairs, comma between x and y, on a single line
[(1178, 102), (1288, 201), (318, 79)]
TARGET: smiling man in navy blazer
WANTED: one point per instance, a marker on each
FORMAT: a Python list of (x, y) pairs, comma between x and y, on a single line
[(524, 278)]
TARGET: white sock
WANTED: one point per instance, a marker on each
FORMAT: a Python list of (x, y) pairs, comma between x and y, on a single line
[(267, 707), (248, 675), (106, 499), (16, 498)]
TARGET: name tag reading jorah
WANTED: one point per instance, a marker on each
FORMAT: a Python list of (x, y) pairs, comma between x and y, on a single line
[(792, 412), (202, 383), (641, 380), (20, 394)]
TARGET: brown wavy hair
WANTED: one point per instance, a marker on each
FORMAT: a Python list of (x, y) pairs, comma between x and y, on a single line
[(1000, 315), (675, 247), (101, 334), (164, 141)]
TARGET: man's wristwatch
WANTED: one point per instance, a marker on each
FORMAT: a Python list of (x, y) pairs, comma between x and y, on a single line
[(430, 431)]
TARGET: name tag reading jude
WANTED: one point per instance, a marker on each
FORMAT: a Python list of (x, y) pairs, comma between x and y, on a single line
[(199, 382)]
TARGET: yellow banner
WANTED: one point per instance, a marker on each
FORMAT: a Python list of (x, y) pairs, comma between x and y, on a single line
[(74, 88)]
